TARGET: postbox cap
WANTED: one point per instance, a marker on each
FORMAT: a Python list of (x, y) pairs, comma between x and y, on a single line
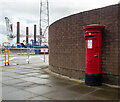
[(94, 27)]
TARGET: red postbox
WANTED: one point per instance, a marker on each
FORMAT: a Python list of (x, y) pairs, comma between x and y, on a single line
[(93, 39)]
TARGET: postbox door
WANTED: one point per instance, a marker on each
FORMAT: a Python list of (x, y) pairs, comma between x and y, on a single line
[(92, 55)]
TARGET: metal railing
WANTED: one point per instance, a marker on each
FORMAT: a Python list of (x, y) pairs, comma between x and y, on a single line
[(16, 56)]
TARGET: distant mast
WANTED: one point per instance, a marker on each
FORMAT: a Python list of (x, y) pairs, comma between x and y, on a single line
[(44, 21)]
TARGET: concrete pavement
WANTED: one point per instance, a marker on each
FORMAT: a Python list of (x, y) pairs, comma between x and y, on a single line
[(31, 82)]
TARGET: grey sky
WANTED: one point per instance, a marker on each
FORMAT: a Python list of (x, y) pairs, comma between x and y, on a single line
[(27, 11)]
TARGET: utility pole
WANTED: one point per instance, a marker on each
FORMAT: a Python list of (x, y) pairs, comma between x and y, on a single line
[(44, 19)]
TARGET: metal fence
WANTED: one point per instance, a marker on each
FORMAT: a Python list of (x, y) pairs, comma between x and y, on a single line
[(21, 56)]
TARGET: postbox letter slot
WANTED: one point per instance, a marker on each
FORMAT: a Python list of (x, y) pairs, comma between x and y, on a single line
[(89, 35), (95, 55)]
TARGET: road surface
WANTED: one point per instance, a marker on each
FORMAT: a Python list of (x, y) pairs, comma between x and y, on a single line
[(16, 59)]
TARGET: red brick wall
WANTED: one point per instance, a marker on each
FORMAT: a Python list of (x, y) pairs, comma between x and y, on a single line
[(67, 44), (119, 44)]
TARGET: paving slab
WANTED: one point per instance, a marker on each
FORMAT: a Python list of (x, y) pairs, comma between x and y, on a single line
[(0, 84), (9, 74), (25, 85), (32, 74), (19, 95), (5, 78), (83, 89), (62, 94), (22, 72), (0, 91), (88, 98), (35, 71), (39, 98), (30, 82), (60, 84), (40, 90), (18, 76), (12, 82), (44, 76), (23, 76), (36, 80), (107, 95), (8, 89)]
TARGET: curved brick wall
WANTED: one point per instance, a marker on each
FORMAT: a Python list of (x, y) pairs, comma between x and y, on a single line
[(67, 44)]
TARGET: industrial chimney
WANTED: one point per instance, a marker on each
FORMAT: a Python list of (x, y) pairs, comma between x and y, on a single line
[(18, 32), (27, 35), (35, 34)]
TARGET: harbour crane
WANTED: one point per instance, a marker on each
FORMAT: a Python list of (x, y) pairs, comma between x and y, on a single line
[(9, 27)]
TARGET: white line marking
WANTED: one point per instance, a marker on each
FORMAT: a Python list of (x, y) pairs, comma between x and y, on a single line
[(41, 58), (10, 59)]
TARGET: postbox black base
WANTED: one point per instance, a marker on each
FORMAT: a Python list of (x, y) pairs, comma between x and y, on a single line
[(93, 79)]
